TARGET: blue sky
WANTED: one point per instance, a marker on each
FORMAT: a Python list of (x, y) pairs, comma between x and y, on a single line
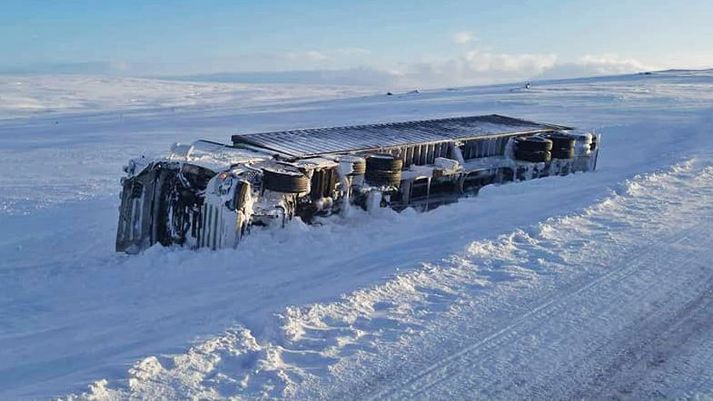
[(428, 42)]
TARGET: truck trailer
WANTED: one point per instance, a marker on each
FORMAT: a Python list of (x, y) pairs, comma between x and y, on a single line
[(210, 195)]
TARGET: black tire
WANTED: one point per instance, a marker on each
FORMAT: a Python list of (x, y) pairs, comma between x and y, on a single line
[(562, 141), (563, 153), (381, 177), (533, 144), (284, 179), (533, 157), (383, 162)]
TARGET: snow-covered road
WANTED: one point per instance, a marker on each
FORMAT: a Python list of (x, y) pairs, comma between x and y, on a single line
[(630, 326), (587, 286)]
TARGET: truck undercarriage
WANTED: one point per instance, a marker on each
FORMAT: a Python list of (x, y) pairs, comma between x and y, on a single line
[(210, 195)]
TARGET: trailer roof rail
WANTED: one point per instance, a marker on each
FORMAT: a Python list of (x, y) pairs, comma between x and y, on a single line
[(317, 141)]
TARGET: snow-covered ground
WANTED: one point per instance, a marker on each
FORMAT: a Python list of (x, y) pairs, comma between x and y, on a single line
[(591, 286), (27, 95)]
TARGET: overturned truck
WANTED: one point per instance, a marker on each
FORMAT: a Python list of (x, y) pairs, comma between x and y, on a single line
[(210, 195)]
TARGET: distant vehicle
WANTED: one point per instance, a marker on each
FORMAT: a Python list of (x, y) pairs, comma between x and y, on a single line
[(210, 195)]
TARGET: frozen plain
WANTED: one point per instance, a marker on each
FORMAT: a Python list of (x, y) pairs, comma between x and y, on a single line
[(592, 286)]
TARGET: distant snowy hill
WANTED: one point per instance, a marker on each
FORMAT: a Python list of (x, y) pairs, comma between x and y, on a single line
[(21, 95)]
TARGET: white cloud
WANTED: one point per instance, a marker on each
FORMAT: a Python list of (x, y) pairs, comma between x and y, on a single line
[(478, 61), (342, 57), (359, 66), (353, 51), (608, 64), (472, 67), (475, 67), (463, 37), (590, 65), (308, 56), (315, 55)]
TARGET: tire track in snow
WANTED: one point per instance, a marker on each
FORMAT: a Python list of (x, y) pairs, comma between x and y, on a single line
[(554, 379), (650, 350), (457, 363), (676, 365), (502, 336)]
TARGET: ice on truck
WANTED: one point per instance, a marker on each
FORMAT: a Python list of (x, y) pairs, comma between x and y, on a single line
[(211, 195)]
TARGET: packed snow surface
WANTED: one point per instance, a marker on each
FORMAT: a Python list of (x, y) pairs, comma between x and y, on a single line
[(589, 286)]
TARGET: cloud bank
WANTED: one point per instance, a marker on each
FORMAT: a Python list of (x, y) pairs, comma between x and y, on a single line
[(591, 65), (474, 66)]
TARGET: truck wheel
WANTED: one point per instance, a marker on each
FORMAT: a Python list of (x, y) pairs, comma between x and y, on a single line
[(381, 177), (533, 144), (562, 141), (533, 157), (383, 162), (284, 179), (563, 153), (562, 145)]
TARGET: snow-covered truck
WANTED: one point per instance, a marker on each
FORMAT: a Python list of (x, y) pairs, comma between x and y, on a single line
[(210, 195)]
